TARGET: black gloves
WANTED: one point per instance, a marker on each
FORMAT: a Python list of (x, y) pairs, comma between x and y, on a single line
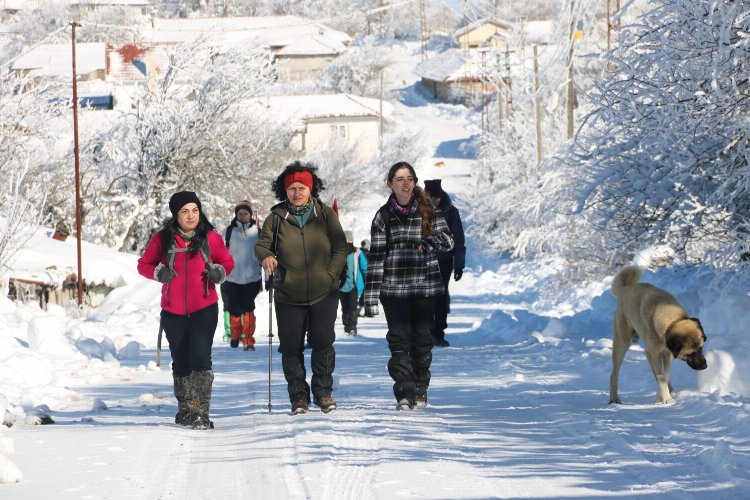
[(215, 273), (457, 274), (163, 274), (427, 244), (371, 311)]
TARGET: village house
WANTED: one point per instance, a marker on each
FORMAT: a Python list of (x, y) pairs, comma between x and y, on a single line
[(486, 32), (322, 121), (134, 6), (460, 76), (300, 48)]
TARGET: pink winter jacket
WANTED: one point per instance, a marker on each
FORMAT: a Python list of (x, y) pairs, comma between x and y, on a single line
[(186, 293)]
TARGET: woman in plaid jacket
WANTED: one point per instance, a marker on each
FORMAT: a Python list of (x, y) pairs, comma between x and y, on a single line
[(403, 273)]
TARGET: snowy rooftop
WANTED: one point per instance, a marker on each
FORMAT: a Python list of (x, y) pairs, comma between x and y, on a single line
[(305, 107), (313, 45), (56, 59), (273, 31), (506, 25)]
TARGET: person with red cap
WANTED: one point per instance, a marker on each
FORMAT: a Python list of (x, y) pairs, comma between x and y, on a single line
[(302, 245), (189, 258), (243, 283)]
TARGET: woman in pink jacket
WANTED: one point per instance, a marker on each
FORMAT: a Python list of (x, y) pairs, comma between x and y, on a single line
[(189, 258)]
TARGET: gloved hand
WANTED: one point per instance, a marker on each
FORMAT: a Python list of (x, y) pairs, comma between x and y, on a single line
[(427, 244), (215, 273), (457, 274), (371, 311), (163, 274)]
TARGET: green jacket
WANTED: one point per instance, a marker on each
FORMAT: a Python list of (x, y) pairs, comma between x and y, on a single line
[(310, 258)]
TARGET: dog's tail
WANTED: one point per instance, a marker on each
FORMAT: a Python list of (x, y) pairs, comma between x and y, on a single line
[(627, 276)]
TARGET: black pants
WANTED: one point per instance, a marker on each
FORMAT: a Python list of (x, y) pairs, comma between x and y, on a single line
[(410, 343), (442, 302), (240, 298), (319, 321), (349, 310), (190, 339)]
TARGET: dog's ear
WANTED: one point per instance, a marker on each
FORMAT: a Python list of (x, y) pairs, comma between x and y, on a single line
[(674, 344), (700, 327)]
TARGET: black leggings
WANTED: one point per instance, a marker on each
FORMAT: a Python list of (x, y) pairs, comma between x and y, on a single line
[(190, 339)]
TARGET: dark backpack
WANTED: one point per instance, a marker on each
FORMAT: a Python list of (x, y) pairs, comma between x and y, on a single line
[(228, 234)]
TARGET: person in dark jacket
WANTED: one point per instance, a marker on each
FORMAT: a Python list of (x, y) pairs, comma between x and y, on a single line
[(189, 258), (243, 283), (407, 233), (302, 245), (364, 250), (352, 286), (452, 262)]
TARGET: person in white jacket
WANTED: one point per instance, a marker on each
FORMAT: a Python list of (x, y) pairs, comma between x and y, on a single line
[(244, 282)]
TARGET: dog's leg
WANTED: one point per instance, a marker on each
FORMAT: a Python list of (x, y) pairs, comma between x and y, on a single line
[(658, 364), (620, 346)]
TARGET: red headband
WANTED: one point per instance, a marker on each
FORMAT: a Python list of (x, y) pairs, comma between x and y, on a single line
[(304, 177)]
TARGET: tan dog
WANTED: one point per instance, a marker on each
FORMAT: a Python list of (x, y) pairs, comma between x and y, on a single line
[(655, 316)]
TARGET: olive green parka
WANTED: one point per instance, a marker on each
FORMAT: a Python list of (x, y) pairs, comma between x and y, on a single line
[(310, 258)]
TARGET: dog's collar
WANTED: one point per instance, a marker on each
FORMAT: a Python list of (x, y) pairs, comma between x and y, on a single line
[(672, 325)]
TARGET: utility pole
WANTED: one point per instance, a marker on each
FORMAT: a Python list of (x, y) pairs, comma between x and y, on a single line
[(380, 113), (571, 89), (500, 88), (77, 166), (537, 107), (423, 29)]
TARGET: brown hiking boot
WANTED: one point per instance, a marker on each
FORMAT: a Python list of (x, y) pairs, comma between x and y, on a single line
[(299, 407), (326, 403)]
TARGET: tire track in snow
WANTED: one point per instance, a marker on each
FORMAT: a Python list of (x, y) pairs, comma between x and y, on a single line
[(351, 471)]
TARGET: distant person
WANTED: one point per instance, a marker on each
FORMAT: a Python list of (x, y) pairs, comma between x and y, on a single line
[(364, 250), (352, 285), (451, 262), (403, 273), (189, 258), (244, 282), (302, 245)]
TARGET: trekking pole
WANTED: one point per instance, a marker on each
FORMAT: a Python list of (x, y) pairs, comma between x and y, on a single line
[(270, 336), (158, 344)]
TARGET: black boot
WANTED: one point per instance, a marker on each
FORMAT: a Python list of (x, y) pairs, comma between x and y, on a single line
[(295, 375), (323, 363), (183, 394), (202, 384)]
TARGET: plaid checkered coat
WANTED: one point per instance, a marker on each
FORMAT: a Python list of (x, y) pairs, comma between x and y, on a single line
[(395, 267)]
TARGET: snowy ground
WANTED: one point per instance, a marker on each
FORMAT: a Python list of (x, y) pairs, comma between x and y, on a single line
[(518, 403)]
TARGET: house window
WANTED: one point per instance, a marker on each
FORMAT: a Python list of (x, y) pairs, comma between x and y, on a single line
[(338, 131)]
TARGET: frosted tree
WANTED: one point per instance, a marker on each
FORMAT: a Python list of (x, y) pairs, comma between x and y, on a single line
[(347, 180), (188, 130), (663, 160), (28, 161), (357, 71)]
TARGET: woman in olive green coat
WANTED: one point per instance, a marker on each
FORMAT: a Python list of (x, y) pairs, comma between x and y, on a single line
[(302, 245)]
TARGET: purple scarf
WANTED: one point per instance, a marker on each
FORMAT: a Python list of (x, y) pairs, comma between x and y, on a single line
[(399, 209)]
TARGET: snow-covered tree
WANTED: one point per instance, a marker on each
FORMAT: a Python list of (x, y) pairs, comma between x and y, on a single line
[(348, 180), (188, 130), (663, 160), (28, 159), (357, 71)]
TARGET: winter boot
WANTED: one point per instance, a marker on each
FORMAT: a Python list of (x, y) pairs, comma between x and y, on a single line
[(182, 392), (200, 404), (235, 323), (404, 404), (248, 329), (227, 327), (326, 403)]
